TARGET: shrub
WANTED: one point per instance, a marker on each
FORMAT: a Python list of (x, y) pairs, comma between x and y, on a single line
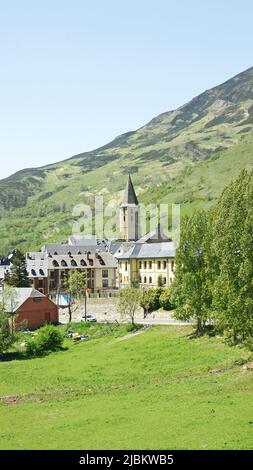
[(5, 332), (48, 338), (133, 327), (150, 299), (165, 300), (240, 362), (31, 349)]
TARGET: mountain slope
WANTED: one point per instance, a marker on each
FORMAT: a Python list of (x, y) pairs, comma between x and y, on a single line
[(186, 156)]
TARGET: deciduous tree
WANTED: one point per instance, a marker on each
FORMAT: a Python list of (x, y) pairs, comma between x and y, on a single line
[(129, 302), (191, 290), (76, 289)]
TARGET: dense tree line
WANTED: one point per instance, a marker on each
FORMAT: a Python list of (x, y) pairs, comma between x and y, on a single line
[(214, 264)]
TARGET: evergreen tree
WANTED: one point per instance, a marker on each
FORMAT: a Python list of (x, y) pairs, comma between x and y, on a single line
[(18, 276)]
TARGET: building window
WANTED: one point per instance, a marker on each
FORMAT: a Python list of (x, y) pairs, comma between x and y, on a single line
[(164, 265), (105, 283), (63, 263), (145, 264), (150, 264), (159, 265), (145, 280), (37, 300), (165, 280), (172, 266), (140, 264), (105, 273), (125, 266), (150, 280)]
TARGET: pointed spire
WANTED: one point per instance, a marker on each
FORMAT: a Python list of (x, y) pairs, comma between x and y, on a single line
[(129, 195)]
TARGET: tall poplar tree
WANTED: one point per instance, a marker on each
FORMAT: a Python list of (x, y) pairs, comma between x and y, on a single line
[(233, 247), (191, 290)]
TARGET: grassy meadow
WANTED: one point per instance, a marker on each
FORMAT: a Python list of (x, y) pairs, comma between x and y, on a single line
[(159, 389)]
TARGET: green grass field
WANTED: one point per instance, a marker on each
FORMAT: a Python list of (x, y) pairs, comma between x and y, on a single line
[(157, 390)]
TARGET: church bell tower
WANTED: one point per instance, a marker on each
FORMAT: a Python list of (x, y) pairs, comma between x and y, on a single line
[(130, 214)]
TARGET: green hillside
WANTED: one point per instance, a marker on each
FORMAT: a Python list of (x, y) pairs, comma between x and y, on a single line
[(187, 156)]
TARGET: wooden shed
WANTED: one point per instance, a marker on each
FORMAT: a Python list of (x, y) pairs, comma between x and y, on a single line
[(33, 308)]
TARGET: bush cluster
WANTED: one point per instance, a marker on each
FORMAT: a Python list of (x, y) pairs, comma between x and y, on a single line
[(47, 339), (153, 299)]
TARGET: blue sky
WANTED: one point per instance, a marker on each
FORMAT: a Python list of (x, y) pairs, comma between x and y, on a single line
[(75, 74)]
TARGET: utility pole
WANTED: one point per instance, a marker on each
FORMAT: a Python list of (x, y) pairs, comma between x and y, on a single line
[(85, 303)]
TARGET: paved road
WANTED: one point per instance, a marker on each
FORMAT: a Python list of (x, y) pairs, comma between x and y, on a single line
[(105, 310), (150, 320)]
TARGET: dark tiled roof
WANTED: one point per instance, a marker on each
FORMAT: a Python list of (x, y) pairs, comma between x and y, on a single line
[(100, 260), (60, 249), (155, 236), (129, 194), (150, 250)]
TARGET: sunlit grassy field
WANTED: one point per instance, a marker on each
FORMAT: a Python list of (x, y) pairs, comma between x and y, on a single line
[(159, 389)]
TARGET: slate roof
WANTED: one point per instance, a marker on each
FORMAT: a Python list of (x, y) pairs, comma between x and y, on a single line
[(129, 194), (22, 294), (38, 263), (156, 235), (3, 271), (114, 246), (150, 250), (103, 260), (73, 249), (87, 241)]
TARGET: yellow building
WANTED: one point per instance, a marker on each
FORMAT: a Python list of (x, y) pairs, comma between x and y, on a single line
[(147, 264)]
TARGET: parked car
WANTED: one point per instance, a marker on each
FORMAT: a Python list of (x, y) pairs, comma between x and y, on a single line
[(89, 317)]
